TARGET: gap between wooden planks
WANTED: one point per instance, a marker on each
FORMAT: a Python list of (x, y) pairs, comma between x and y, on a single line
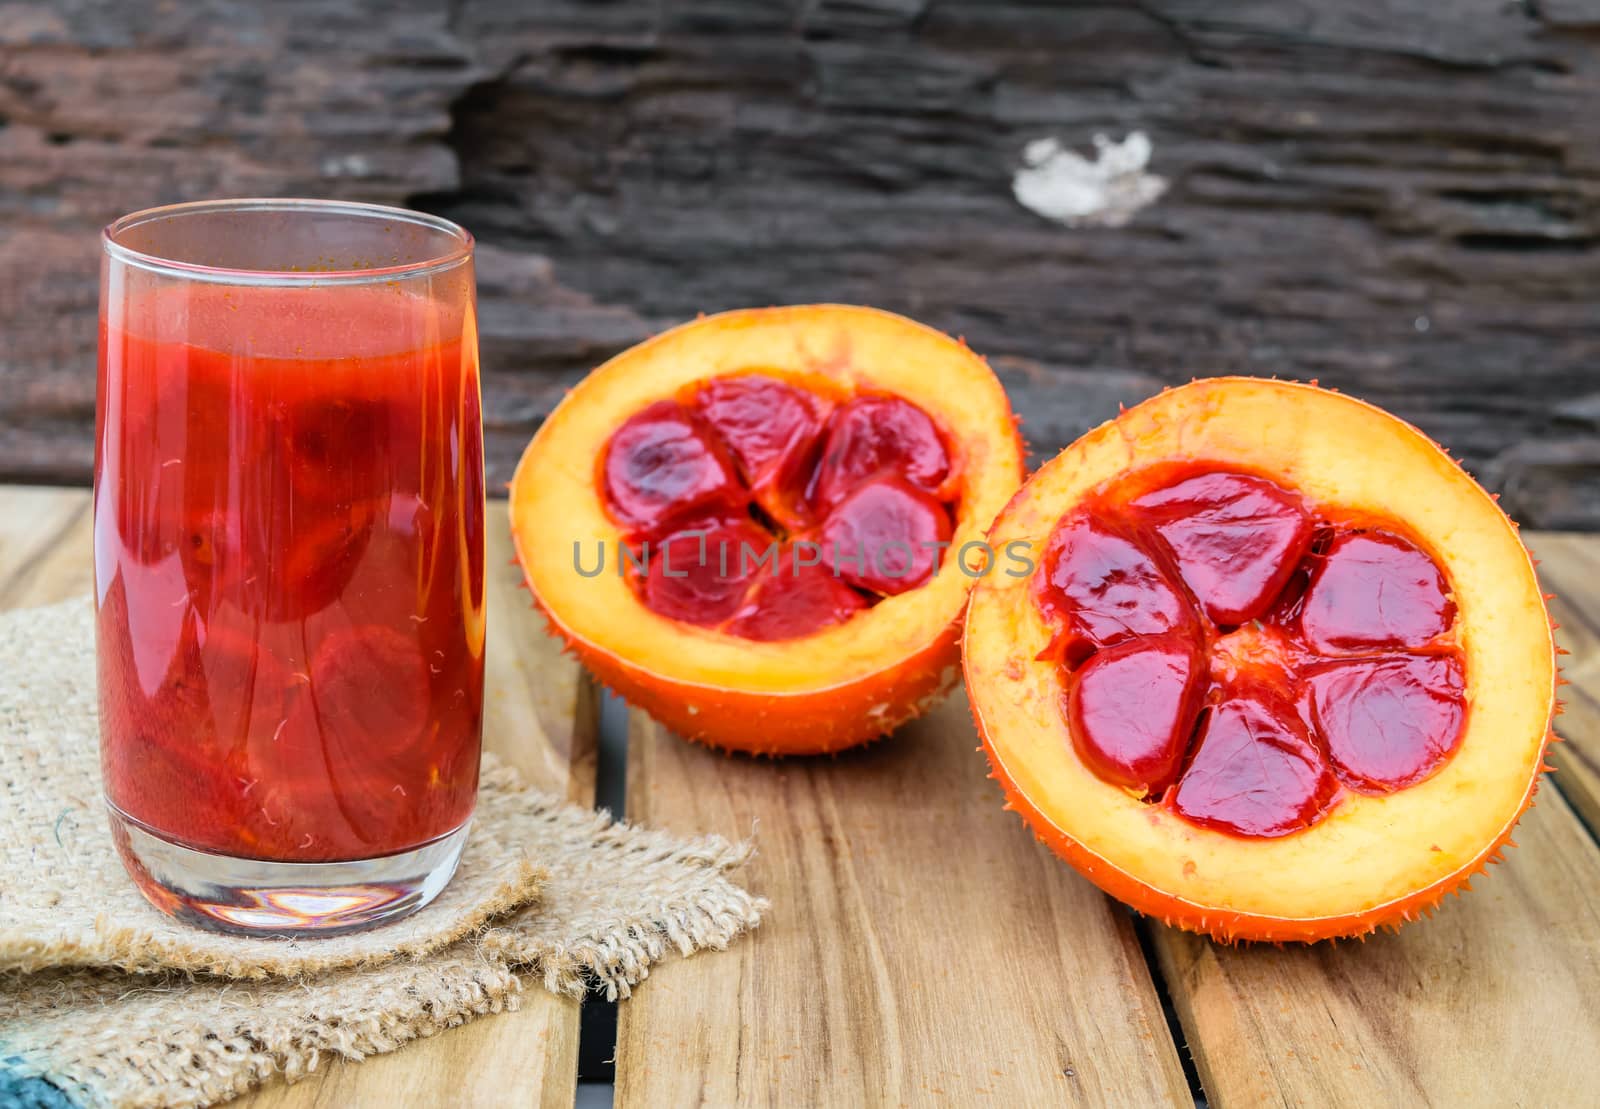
[(539, 714), (922, 949)]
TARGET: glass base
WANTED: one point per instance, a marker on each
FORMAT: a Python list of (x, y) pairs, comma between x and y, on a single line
[(254, 897)]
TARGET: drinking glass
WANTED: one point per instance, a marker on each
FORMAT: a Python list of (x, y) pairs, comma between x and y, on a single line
[(288, 545)]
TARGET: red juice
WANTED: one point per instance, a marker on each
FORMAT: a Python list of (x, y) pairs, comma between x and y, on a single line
[(289, 569)]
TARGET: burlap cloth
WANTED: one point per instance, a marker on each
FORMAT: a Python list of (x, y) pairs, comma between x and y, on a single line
[(105, 1001)]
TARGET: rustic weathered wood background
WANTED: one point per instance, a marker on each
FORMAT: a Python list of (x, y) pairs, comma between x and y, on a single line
[(1398, 197)]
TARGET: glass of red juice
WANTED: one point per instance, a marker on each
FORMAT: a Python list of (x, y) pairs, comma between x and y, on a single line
[(288, 534)]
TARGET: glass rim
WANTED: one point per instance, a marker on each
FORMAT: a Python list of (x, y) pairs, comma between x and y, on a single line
[(460, 251)]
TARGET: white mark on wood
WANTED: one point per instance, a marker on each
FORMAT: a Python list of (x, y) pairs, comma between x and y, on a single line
[(1105, 191), (347, 165)]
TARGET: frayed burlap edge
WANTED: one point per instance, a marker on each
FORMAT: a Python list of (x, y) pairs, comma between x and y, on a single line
[(615, 959), (174, 1040)]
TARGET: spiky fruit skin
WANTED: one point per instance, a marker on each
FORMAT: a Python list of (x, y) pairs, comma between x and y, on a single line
[(845, 685), (776, 725), (1364, 867), (1232, 927)]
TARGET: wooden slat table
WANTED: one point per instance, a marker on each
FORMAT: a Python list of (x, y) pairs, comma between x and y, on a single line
[(922, 946), (923, 950)]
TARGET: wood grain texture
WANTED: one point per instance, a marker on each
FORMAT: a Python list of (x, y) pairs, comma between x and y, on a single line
[(45, 545), (921, 948), (1493, 1001), (539, 715), (1569, 566), (1395, 196)]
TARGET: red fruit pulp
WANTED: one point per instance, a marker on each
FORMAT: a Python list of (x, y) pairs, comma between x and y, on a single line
[(1133, 707), (771, 429), (700, 574), (1254, 771), (1235, 540), (662, 463), (288, 558), (1374, 590), (851, 494), (1105, 588), (1223, 661), (794, 598), (873, 434), (885, 536), (1389, 722)]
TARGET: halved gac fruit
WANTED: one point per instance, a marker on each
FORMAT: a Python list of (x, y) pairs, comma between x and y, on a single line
[(1281, 670), (756, 526)]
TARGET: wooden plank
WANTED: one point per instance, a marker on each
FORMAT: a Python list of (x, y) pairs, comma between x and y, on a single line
[(1569, 565), (45, 545), (539, 715), (921, 947), (1494, 1001)]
